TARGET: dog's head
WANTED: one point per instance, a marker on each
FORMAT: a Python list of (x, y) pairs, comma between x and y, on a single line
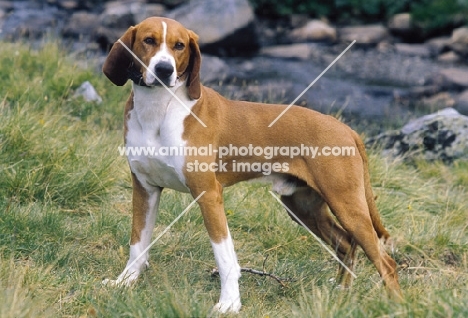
[(161, 50)]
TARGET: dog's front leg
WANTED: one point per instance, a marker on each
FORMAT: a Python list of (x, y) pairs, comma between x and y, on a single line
[(145, 203), (211, 204)]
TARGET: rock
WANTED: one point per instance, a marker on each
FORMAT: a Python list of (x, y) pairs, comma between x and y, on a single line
[(462, 102), (385, 47), (455, 76), (297, 20), (370, 34), (402, 26), (314, 31), (69, 4), (106, 37), (6, 6), (420, 50), (385, 68), (449, 57), (87, 91), (120, 14), (459, 41), (439, 136), (400, 23), (438, 102), (150, 10), (417, 92), (301, 51), (439, 45), (226, 26), (25, 20), (213, 69), (81, 24), (169, 3)]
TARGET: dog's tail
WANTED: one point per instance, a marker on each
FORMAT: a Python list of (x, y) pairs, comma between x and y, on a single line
[(382, 233)]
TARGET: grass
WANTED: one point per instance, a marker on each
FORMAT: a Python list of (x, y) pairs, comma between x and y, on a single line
[(65, 221)]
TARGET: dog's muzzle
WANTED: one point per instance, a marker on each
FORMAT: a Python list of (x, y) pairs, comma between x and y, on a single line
[(163, 71)]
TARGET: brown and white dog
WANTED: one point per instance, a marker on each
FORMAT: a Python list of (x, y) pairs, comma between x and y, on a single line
[(331, 195)]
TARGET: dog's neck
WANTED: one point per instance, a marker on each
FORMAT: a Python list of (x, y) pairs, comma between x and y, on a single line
[(136, 77)]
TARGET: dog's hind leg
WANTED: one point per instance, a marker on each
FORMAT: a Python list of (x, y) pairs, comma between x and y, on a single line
[(350, 208), (310, 208)]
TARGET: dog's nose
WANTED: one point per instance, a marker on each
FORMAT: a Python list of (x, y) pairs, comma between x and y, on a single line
[(164, 70)]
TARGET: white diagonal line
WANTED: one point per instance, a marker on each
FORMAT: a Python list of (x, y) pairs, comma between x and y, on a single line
[(164, 232), (160, 82), (314, 236), (310, 85)]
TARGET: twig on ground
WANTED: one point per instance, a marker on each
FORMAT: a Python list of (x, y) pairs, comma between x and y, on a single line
[(281, 280)]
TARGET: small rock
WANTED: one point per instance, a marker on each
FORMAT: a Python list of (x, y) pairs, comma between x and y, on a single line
[(385, 47), (301, 51), (417, 92), (400, 21), (87, 91), (459, 41), (438, 102), (106, 37), (420, 50), (69, 4), (401, 24), (455, 76), (449, 57), (439, 45), (81, 23), (370, 34), (213, 69), (298, 20), (314, 31), (462, 102)]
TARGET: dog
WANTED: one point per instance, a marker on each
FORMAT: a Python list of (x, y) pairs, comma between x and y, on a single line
[(168, 107)]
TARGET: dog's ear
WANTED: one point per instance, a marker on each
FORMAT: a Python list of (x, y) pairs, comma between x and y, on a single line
[(193, 82), (119, 59)]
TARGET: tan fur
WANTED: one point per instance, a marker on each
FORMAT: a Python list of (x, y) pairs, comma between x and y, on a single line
[(140, 208), (335, 199)]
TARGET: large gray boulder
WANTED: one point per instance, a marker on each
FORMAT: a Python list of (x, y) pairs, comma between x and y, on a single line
[(438, 136), (222, 25)]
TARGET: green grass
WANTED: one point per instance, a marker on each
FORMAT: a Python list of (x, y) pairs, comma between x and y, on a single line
[(65, 221)]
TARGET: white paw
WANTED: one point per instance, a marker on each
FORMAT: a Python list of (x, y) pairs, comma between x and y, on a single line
[(124, 280), (225, 307)]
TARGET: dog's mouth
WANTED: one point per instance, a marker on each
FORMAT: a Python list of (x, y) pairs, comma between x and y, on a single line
[(142, 79), (160, 82)]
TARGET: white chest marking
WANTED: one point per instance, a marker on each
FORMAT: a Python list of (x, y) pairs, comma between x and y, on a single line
[(156, 122)]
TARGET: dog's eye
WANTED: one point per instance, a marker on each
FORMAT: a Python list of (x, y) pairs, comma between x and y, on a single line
[(149, 41), (179, 46)]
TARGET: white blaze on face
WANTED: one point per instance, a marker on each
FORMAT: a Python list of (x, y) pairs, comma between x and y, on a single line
[(162, 56)]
